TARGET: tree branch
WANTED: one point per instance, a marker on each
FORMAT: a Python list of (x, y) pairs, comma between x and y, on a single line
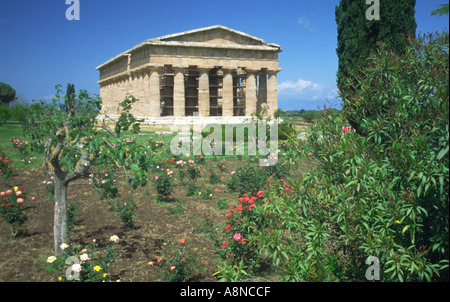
[(83, 164)]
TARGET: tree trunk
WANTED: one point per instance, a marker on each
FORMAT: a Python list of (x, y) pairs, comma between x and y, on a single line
[(60, 228)]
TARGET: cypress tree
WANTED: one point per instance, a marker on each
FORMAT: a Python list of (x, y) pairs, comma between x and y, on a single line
[(70, 95), (358, 37)]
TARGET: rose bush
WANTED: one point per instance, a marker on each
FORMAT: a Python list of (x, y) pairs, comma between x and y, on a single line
[(85, 264), (6, 166), (236, 246), (178, 262), (12, 206)]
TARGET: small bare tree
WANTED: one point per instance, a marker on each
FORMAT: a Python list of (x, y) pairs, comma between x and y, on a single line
[(74, 143)]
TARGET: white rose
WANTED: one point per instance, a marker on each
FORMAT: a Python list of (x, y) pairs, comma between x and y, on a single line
[(84, 257), (76, 267)]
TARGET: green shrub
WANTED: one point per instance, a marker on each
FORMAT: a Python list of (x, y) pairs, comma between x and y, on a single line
[(285, 131), (221, 203), (192, 189), (164, 185), (279, 170), (6, 165), (126, 211), (72, 213), (85, 264), (179, 262), (205, 193), (395, 173), (22, 146), (214, 178), (237, 248), (379, 191), (248, 180), (193, 171)]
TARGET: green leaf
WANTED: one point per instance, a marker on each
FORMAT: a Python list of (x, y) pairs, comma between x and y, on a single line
[(442, 153), (405, 228), (134, 167), (390, 269)]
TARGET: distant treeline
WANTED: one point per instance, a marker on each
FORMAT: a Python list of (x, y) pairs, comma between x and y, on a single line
[(310, 115)]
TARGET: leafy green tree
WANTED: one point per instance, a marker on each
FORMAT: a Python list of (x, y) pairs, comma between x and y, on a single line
[(7, 93), (442, 11), (74, 144), (358, 37), (4, 113)]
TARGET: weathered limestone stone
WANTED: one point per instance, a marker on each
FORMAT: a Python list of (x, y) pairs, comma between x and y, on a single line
[(154, 94), (171, 76), (262, 91), (203, 92), (251, 97), (272, 93), (227, 107), (178, 93)]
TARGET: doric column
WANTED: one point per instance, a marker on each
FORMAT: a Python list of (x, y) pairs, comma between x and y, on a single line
[(250, 94), (203, 92), (227, 96), (178, 93), (262, 90), (272, 93), (139, 93), (154, 99)]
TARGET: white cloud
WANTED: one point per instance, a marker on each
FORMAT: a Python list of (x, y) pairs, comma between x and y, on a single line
[(306, 90), (299, 87), (305, 22)]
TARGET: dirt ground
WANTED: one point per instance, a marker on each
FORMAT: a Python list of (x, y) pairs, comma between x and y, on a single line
[(23, 259)]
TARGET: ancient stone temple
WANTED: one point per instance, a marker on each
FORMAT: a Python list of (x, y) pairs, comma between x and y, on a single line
[(213, 73)]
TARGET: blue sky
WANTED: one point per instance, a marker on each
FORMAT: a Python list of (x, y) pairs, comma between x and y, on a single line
[(40, 48)]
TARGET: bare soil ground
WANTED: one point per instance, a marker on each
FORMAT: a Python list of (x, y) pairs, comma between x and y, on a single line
[(23, 258)]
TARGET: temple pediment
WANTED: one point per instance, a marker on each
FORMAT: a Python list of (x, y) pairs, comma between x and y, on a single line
[(217, 34), (213, 42)]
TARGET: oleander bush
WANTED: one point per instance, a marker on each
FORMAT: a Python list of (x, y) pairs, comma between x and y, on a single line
[(380, 191)]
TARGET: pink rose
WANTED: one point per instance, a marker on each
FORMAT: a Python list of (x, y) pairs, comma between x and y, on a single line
[(19, 200), (237, 236)]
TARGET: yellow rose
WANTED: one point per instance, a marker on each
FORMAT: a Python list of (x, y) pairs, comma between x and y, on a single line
[(51, 259)]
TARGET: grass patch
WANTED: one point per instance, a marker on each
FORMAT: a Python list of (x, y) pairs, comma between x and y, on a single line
[(30, 160)]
